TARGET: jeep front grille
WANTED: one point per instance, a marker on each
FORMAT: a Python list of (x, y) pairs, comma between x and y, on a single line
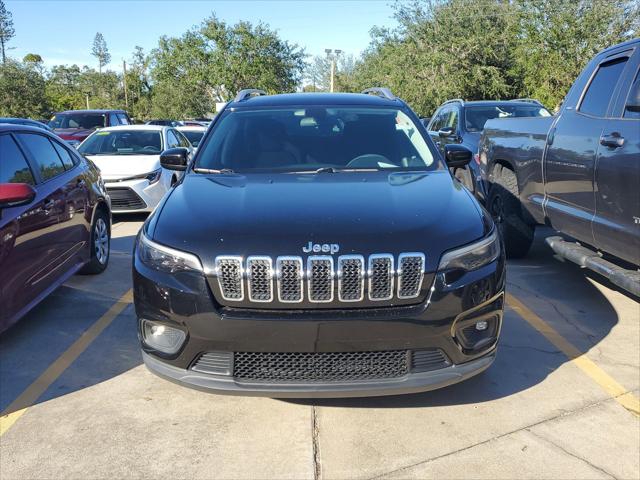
[(293, 279)]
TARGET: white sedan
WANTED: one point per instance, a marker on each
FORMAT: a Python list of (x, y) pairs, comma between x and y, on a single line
[(129, 160)]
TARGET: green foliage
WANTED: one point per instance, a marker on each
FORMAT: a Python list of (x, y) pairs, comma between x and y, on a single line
[(100, 51), (491, 49), (32, 58), (21, 90), (213, 62), (7, 32), (559, 37)]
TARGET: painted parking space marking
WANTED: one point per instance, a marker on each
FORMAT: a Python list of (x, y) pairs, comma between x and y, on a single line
[(29, 396), (579, 359)]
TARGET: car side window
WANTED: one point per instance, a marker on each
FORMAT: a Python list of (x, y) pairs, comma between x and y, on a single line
[(183, 140), (597, 97), (632, 108), (14, 167), (440, 119), (43, 153), (113, 120), (452, 118), (122, 119), (172, 140), (65, 156)]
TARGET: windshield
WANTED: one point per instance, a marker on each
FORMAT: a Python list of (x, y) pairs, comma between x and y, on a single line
[(476, 117), (308, 139), (78, 120), (193, 136), (122, 142)]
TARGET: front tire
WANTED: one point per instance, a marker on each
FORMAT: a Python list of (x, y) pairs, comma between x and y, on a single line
[(506, 209), (100, 244)]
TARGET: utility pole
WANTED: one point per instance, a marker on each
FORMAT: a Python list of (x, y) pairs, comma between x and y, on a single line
[(86, 96), (333, 59), (124, 82)]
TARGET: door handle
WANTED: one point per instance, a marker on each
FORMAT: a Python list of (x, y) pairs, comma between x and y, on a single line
[(614, 140)]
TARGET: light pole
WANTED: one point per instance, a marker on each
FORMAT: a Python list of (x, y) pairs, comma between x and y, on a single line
[(333, 58)]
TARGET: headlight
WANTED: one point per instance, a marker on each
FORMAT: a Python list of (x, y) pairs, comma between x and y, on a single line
[(474, 256), (153, 177), (166, 259)]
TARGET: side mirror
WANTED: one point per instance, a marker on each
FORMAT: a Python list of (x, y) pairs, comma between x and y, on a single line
[(457, 156), (16, 194), (175, 159), (446, 132)]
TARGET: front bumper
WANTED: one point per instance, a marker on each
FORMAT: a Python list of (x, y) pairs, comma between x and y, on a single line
[(411, 383), (135, 196), (445, 322)]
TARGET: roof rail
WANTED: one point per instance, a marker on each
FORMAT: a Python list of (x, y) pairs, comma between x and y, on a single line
[(528, 100), (380, 92), (454, 100), (248, 93)]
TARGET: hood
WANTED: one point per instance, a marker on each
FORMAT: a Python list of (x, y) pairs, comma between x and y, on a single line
[(120, 166), (363, 213), (73, 133)]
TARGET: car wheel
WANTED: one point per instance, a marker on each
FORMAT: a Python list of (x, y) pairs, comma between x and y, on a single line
[(506, 209), (465, 177), (100, 244)]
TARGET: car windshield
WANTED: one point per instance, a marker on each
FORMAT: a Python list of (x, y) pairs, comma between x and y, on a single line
[(309, 139), (194, 136), (122, 142), (78, 120), (476, 117)]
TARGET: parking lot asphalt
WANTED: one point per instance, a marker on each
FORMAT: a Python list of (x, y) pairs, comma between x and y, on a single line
[(561, 400)]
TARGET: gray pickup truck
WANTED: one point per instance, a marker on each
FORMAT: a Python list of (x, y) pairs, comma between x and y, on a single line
[(578, 172)]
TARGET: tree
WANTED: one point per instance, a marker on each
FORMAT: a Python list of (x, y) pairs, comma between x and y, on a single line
[(558, 37), (211, 63), (100, 51), (7, 31), (32, 58), (22, 91)]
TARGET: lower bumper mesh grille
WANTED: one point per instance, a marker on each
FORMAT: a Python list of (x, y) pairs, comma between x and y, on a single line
[(320, 366), (123, 198), (284, 367)]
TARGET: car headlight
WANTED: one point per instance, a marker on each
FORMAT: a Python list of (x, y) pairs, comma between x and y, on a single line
[(166, 259), (474, 256), (153, 177)]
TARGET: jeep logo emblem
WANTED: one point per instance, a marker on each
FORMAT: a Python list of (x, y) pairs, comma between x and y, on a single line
[(324, 248)]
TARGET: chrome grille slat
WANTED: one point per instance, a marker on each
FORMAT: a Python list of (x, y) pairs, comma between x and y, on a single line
[(320, 278), (229, 273), (351, 278), (259, 279), (410, 274), (381, 275), (290, 276)]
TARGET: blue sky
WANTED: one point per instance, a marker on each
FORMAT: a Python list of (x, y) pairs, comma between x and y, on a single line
[(62, 31)]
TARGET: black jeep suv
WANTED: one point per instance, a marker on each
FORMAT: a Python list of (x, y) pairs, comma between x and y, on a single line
[(317, 245)]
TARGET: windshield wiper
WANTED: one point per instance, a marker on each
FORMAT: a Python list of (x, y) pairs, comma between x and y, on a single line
[(213, 170)]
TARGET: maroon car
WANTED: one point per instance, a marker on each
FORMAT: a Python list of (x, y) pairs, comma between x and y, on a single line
[(55, 218), (76, 125)]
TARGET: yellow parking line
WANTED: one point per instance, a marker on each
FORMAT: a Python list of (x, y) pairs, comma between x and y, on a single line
[(608, 384), (27, 398)]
